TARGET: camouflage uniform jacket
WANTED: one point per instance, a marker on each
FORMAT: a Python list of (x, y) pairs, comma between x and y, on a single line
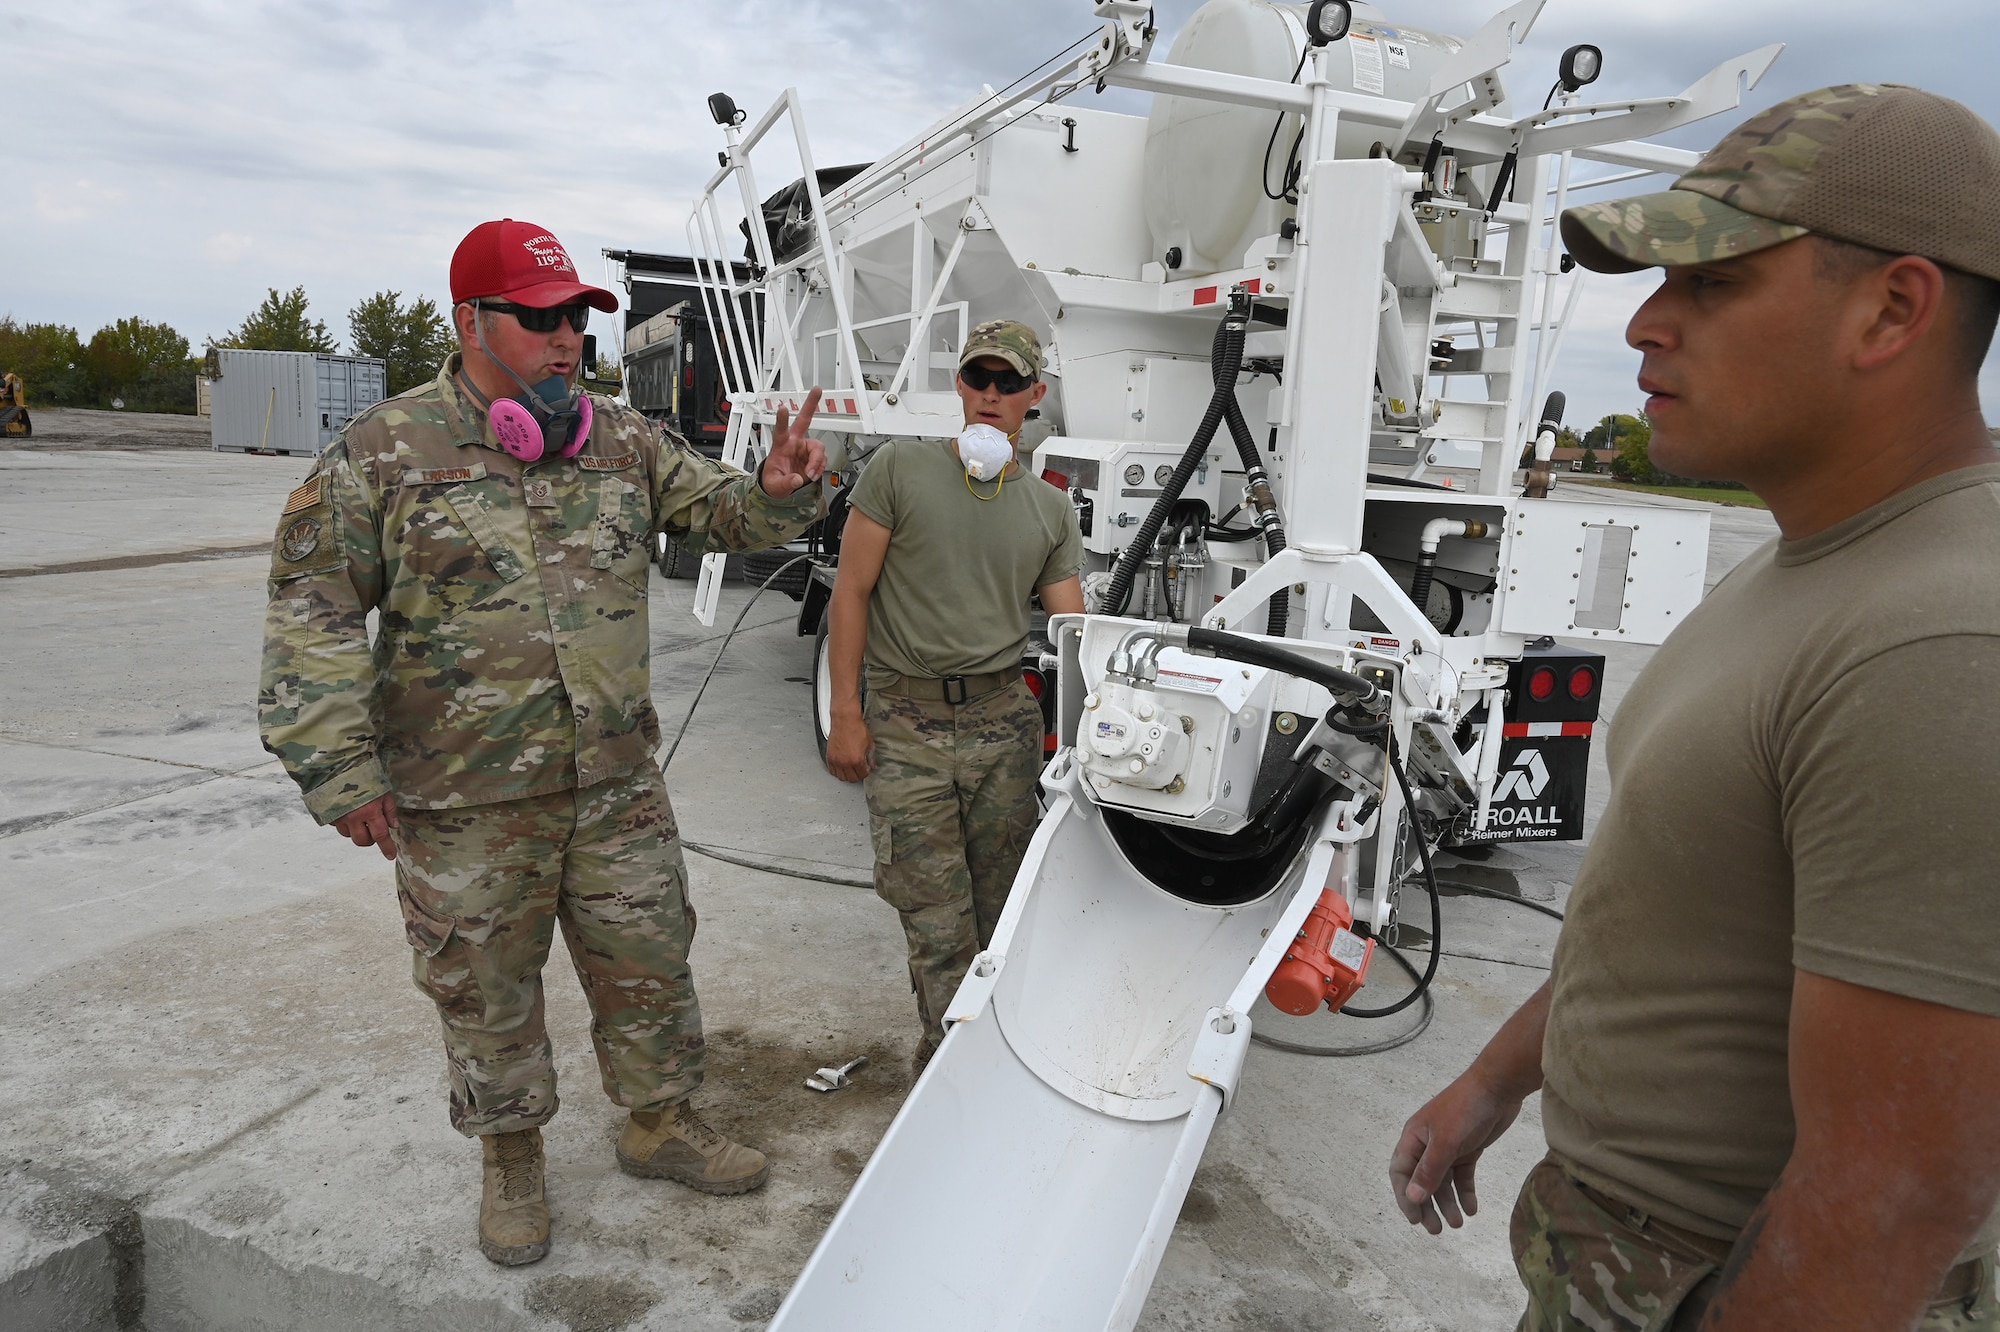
[(511, 658)]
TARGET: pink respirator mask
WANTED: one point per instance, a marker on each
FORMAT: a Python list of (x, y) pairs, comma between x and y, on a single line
[(531, 436), (527, 427)]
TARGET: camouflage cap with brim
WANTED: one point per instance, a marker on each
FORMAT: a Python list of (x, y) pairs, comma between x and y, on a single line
[(1668, 229), (1877, 164), (1010, 340)]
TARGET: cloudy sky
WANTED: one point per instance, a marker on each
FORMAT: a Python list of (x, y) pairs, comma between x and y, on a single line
[(173, 160)]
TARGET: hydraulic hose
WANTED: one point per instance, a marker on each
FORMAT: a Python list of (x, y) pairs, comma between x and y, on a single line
[(1257, 490), (1351, 689), (1225, 360)]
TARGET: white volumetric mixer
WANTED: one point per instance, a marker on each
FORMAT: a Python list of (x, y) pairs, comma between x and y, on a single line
[(1289, 392)]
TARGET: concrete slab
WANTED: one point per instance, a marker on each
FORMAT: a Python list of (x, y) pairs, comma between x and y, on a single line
[(216, 1068), (97, 503)]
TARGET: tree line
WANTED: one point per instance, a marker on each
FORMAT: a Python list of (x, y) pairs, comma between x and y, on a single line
[(1621, 445), (146, 366)]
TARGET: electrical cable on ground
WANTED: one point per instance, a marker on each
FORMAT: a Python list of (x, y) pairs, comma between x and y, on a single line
[(772, 867), (741, 615), (765, 866), (1499, 896)]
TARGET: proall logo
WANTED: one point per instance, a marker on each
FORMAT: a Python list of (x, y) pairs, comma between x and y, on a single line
[(1526, 780)]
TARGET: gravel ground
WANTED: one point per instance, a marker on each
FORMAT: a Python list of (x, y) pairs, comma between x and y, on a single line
[(83, 428)]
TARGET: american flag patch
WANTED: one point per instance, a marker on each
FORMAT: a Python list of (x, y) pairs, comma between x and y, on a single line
[(305, 496)]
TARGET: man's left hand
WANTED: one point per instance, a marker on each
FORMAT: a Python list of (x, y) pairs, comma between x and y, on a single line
[(797, 459)]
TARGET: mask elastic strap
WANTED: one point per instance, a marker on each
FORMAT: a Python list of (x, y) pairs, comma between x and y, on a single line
[(480, 333), (996, 489)]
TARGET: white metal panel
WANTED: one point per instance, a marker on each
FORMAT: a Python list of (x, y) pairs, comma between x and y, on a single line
[(1617, 572), (1077, 210)]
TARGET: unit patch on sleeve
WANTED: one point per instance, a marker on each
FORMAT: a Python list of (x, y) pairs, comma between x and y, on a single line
[(304, 497), (617, 464), (299, 539)]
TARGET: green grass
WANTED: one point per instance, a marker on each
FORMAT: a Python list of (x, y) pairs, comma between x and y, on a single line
[(1740, 499)]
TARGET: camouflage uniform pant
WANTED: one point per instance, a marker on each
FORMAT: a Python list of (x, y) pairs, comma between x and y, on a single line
[(483, 888), (1590, 1267), (951, 809)]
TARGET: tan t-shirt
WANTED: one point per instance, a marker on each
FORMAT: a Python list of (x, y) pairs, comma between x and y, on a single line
[(1807, 774), (953, 595)]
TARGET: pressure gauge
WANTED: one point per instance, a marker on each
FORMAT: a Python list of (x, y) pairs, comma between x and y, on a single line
[(1162, 474), (1135, 475)]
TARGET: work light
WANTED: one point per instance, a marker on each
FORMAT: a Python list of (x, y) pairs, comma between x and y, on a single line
[(1327, 21), (1580, 65)]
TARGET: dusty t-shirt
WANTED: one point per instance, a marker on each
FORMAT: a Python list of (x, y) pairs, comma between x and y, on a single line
[(953, 595), (1807, 774)]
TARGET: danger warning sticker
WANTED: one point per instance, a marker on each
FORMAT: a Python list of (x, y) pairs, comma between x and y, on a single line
[(1189, 681)]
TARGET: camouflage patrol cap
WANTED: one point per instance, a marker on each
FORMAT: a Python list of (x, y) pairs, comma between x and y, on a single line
[(1877, 164), (1010, 340)]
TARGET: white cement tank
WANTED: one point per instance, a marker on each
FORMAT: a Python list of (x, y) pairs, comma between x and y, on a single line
[(1203, 193)]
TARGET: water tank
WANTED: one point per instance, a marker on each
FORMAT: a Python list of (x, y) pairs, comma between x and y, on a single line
[(1208, 174)]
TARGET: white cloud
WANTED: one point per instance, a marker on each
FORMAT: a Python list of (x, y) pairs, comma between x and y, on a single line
[(227, 248), (65, 202)]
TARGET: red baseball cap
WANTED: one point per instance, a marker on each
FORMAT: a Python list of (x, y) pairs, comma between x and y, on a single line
[(522, 263)]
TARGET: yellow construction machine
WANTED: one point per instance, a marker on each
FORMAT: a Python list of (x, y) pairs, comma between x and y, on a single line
[(14, 406)]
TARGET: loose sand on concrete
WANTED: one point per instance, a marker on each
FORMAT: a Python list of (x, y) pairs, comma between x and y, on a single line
[(222, 1103)]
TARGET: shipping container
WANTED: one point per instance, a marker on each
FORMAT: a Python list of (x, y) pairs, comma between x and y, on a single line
[(288, 402)]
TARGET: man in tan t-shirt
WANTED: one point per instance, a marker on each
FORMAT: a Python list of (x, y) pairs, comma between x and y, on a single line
[(1769, 1048), (936, 571)]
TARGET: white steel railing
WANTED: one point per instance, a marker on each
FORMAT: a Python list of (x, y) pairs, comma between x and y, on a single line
[(751, 374)]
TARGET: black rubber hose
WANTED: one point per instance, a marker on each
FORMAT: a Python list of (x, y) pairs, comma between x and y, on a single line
[(1225, 360), (1342, 684), (1257, 488), (1437, 913), (1420, 585)]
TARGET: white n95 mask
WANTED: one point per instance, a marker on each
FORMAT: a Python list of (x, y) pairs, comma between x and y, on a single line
[(984, 451)]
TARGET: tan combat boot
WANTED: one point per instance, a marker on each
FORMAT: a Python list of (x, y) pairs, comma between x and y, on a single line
[(513, 1215), (673, 1143)]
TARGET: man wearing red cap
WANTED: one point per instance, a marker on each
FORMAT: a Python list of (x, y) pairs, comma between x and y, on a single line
[(496, 737), (1769, 1047)]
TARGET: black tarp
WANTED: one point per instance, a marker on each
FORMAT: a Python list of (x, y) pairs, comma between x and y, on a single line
[(788, 213)]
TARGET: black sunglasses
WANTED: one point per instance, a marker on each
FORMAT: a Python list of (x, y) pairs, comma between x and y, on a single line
[(540, 319), (1009, 380)]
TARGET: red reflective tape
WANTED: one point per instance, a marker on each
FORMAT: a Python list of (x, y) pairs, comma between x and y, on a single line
[(1544, 730), (1254, 285), (1204, 295)]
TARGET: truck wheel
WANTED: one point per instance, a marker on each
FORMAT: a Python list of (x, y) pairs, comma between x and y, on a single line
[(674, 561), (822, 679), (822, 699)]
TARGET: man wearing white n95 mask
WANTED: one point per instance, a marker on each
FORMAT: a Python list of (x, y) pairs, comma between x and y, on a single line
[(945, 542)]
